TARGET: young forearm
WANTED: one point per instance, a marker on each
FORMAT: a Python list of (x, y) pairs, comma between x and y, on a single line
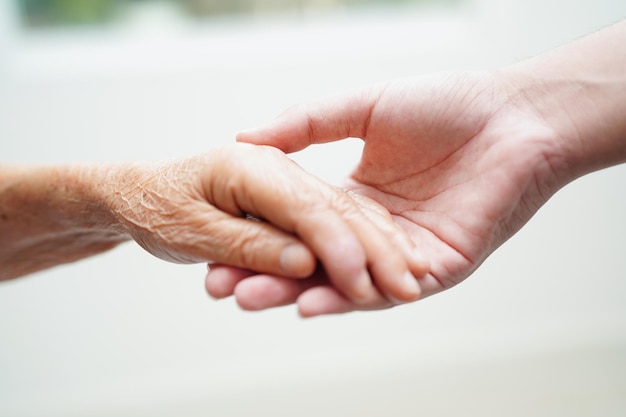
[(580, 89), (52, 215)]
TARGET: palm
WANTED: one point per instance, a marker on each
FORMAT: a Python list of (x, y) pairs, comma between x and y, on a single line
[(452, 165), (458, 162)]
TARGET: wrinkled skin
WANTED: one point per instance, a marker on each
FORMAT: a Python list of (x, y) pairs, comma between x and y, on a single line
[(461, 161), (207, 208)]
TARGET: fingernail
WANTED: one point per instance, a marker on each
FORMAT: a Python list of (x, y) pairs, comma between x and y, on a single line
[(363, 288), (411, 285), (422, 265), (295, 261), (242, 133), (246, 131)]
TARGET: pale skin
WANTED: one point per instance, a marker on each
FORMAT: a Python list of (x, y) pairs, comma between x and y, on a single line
[(206, 208), (462, 161)]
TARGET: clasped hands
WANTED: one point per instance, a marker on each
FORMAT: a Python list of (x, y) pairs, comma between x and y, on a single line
[(452, 166)]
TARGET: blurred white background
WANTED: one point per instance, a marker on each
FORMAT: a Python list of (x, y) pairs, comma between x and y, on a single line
[(539, 329)]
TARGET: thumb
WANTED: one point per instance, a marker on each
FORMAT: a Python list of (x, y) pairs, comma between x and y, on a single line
[(317, 122)]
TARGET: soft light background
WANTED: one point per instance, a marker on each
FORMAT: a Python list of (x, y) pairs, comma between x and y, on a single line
[(539, 329)]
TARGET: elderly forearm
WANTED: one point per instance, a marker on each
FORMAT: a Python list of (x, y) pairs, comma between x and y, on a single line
[(52, 215)]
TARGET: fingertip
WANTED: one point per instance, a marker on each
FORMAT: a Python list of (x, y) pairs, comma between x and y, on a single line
[(322, 300), (417, 262), (215, 288), (246, 295), (415, 291), (363, 290), (297, 261), (262, 292), (269, 134), (288, 132), (345, 262), (410, 290), (247, 135), (221, 280), (419, 265)]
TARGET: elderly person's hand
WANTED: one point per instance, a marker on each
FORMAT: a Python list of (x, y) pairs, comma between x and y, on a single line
[(461, 161), (242, 205)]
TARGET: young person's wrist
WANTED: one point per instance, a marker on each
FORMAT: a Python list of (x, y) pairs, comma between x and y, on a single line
[(580, 91), (583, 112)]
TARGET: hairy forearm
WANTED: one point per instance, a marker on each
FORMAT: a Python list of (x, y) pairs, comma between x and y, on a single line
[(53, 215), (580, 89)]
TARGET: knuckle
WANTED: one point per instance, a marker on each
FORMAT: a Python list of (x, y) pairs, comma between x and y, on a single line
[(330, 199)]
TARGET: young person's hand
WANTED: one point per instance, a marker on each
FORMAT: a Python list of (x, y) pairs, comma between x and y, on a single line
[(462, 161)]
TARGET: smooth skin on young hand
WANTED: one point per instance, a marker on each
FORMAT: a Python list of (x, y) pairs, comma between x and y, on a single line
[(461, 160)]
